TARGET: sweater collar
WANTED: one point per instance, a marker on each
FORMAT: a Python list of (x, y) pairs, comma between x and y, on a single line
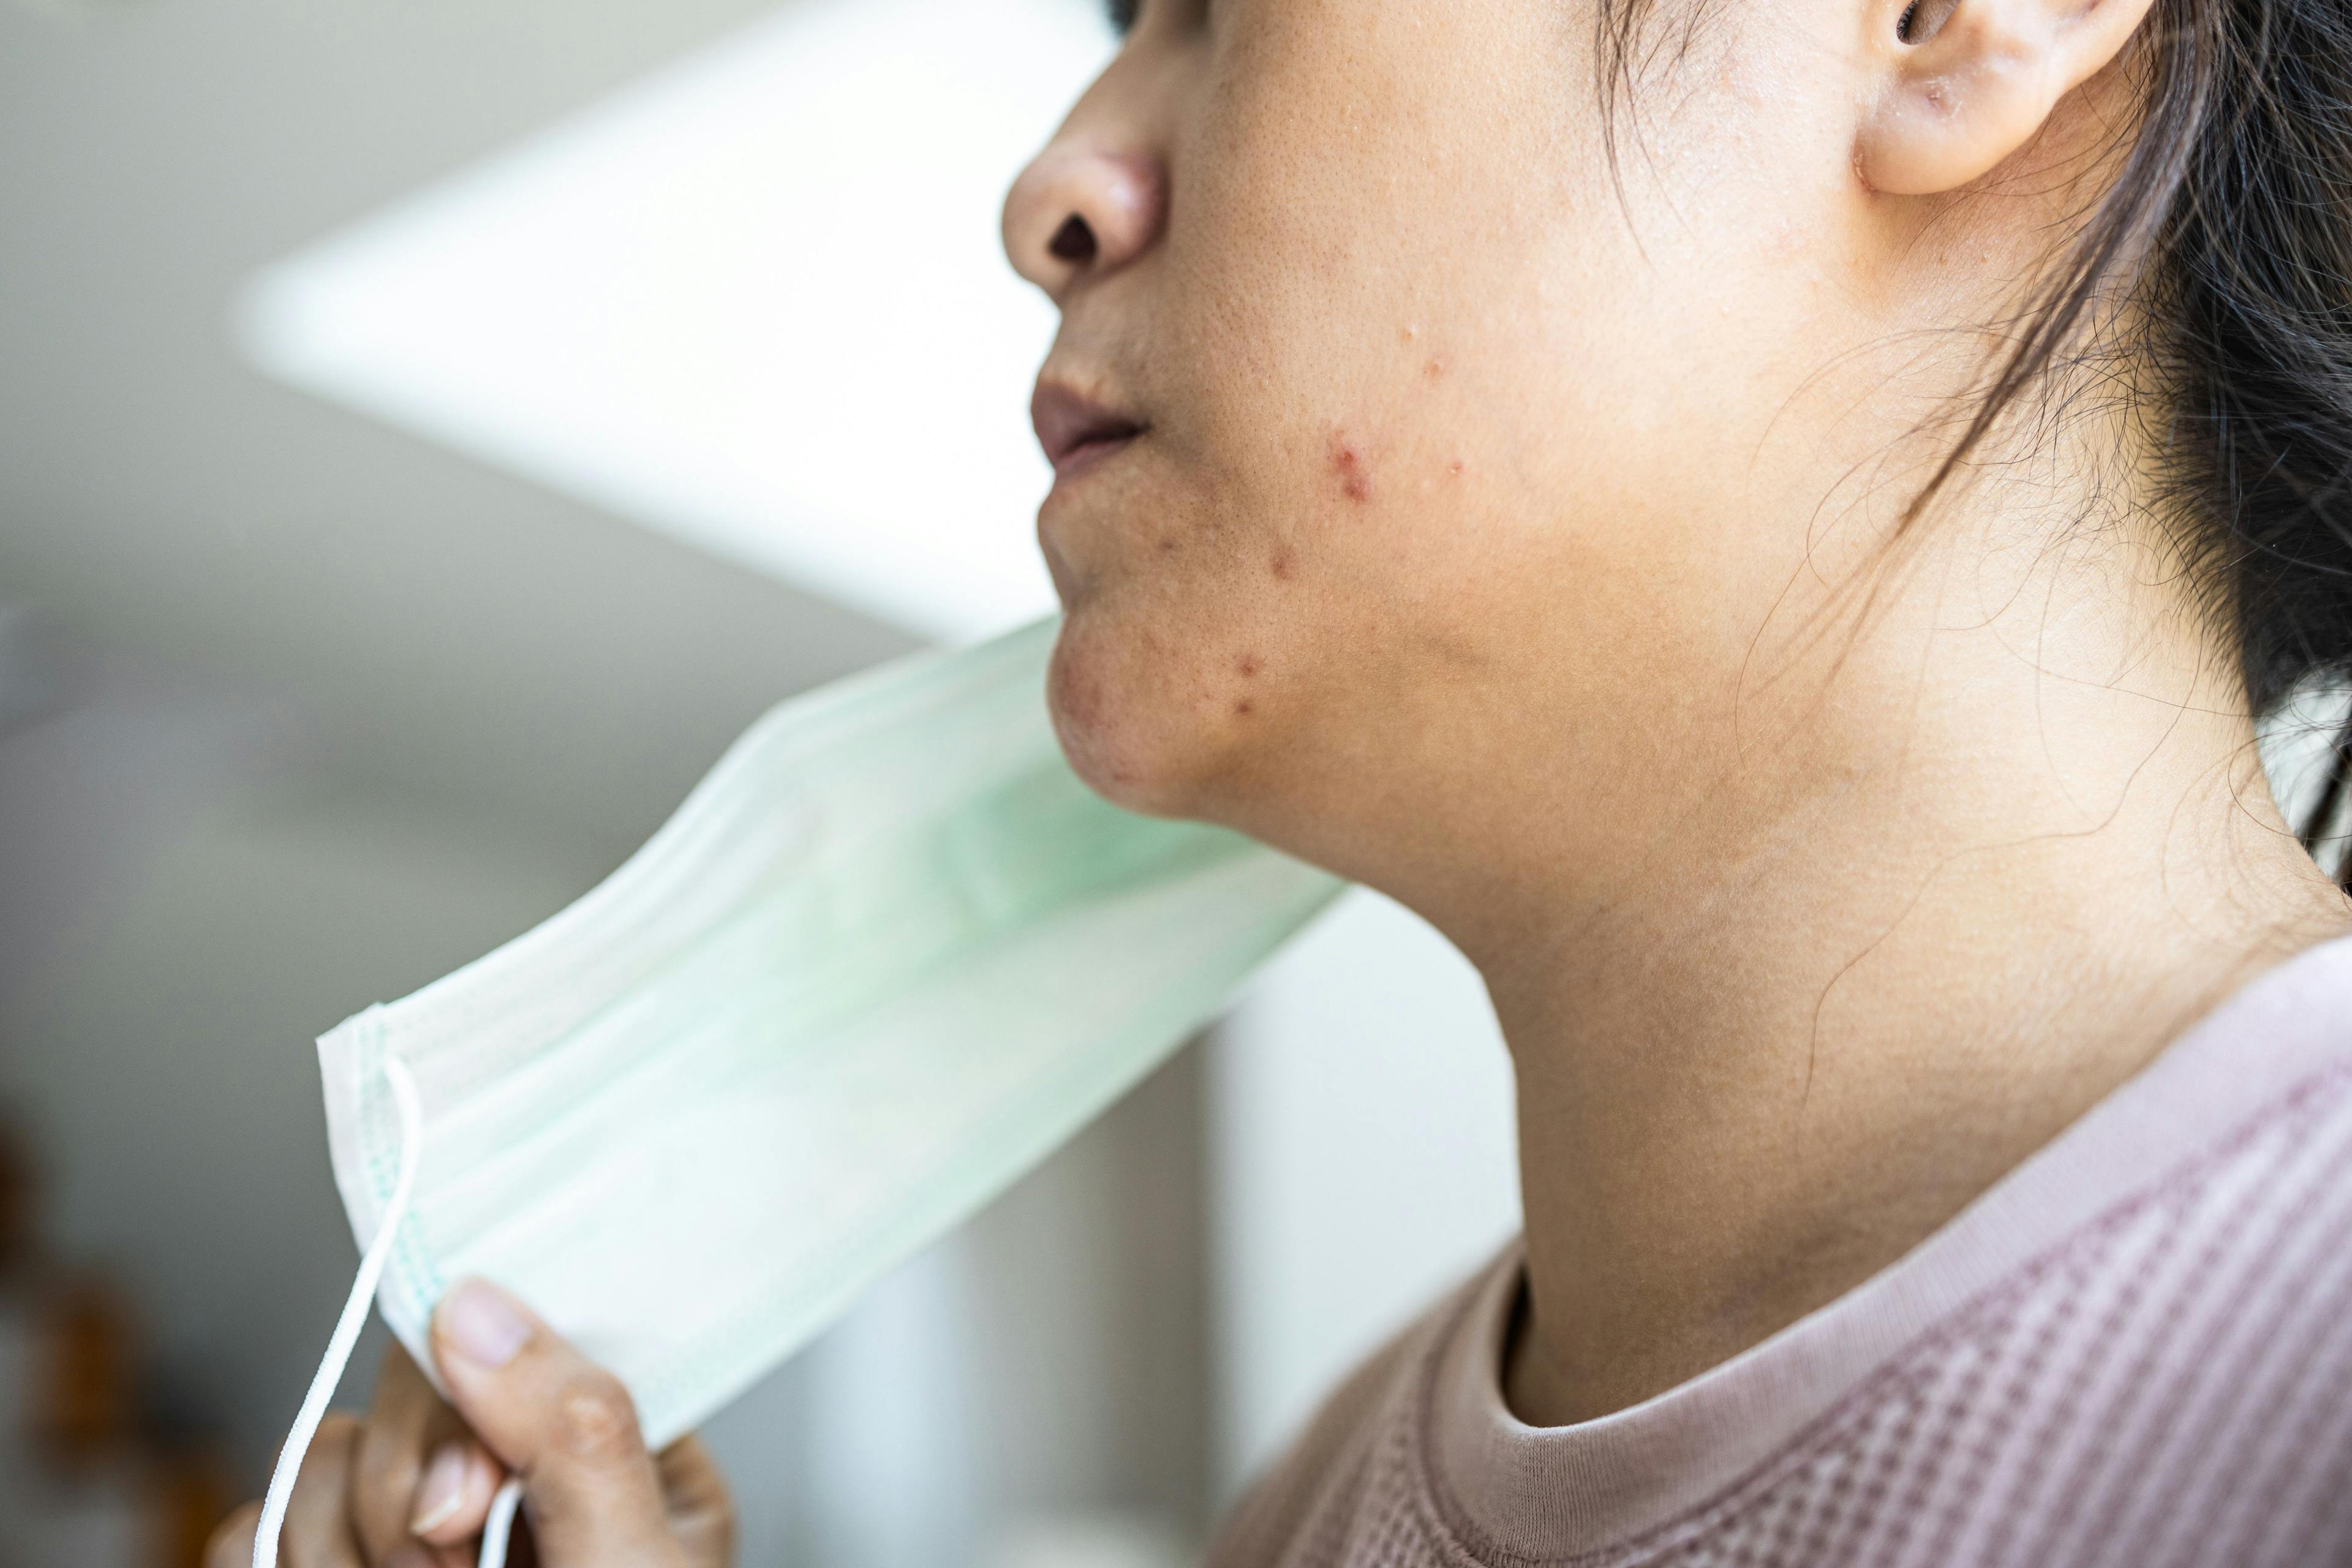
[(1653, 1471)]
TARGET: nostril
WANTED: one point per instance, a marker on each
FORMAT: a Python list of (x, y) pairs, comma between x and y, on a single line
[(1074, 241)]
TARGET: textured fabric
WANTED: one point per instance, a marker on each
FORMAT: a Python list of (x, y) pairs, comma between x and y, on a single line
[(2135, 1350)]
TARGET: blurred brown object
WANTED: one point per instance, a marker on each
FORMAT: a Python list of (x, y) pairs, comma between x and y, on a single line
[(112, 1475), (19, 1200), (87, 1409)]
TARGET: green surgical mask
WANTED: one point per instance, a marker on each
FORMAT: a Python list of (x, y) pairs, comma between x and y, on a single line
[(887, 955)]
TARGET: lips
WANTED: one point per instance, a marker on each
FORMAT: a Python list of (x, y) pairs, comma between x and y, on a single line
[(1076, 431)]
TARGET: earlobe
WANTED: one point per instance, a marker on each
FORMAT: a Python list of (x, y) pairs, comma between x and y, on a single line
[(1962, 84)]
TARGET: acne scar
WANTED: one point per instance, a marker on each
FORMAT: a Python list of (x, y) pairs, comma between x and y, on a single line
[(1244, 706), (1436, 368), (1283, 562), (1354, 471)]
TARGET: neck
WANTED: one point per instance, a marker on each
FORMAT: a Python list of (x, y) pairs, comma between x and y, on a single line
[(1969, 895)]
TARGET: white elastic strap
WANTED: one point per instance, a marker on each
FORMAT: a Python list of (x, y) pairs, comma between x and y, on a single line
[(500, 1522), (346, 1335), (347, 1327)]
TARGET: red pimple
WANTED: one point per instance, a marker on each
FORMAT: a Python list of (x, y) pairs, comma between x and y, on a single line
[(1355, 473), (1454, 468)]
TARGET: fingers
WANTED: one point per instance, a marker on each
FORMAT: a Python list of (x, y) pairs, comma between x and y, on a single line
[(413, 1488), (453, 1495), (407, 1423), (701, 1512), (564, 1424), (317, 1532), (364, 1490), (232, 1545)]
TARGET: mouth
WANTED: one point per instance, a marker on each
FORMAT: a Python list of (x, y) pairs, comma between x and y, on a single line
[(1078, 432)]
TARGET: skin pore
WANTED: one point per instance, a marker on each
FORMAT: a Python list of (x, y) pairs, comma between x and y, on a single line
[(1523, 534)]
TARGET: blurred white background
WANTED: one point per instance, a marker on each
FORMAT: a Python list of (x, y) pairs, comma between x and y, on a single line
[(429, 431)]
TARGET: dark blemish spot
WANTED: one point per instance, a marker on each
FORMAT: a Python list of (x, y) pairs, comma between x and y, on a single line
[(1249, 665), (1355, 472), (1283, 562), (1244, 706), (1168, 546), (1434, 368)]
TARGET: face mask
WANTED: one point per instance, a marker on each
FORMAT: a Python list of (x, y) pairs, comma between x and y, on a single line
[(886, 956)]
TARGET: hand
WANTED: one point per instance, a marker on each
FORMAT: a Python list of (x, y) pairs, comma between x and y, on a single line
[(410, 1486)]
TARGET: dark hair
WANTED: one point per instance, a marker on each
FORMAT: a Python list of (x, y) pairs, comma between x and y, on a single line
[(2230, 225), (2243, 176)]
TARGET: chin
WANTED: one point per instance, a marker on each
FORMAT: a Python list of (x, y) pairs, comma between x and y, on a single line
[(1127, 707)]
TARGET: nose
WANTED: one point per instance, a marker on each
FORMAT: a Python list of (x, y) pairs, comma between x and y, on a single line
[(1081, 213)]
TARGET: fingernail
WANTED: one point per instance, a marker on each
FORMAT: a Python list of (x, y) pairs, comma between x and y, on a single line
[(442, 1489), (483, 1324)]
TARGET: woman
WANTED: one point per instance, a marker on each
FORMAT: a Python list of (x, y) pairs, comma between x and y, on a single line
[(1771, 526)]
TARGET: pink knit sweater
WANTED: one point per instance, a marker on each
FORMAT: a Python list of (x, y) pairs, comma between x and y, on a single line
[(2135, 1350)]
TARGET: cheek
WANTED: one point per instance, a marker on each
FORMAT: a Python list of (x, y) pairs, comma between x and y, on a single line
[(1164, 689), (1080, 687), (1123, 705), (1355, 353)]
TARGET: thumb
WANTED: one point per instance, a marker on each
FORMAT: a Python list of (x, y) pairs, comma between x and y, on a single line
[(563, 1425)]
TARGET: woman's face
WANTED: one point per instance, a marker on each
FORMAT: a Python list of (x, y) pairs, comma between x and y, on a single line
[(1449, 445)]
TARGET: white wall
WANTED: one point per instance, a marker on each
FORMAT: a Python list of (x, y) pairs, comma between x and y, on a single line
[(1363, 1159)]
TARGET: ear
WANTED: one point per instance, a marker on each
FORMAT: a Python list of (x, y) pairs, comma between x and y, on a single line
[(1965, 83)]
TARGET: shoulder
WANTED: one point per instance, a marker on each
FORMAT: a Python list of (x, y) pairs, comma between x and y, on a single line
[(1322, 1480)]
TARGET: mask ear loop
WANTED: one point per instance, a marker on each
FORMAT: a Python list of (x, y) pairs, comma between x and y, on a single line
[(347, 1327), (500, 1523)]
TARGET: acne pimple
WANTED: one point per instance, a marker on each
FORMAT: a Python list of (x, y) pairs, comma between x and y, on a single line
[(1454, 468), (1244, 706), (1283, 562), (1434, 368), (1355, 473), (1411, 333), (1354, 480), (1248, 664)]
